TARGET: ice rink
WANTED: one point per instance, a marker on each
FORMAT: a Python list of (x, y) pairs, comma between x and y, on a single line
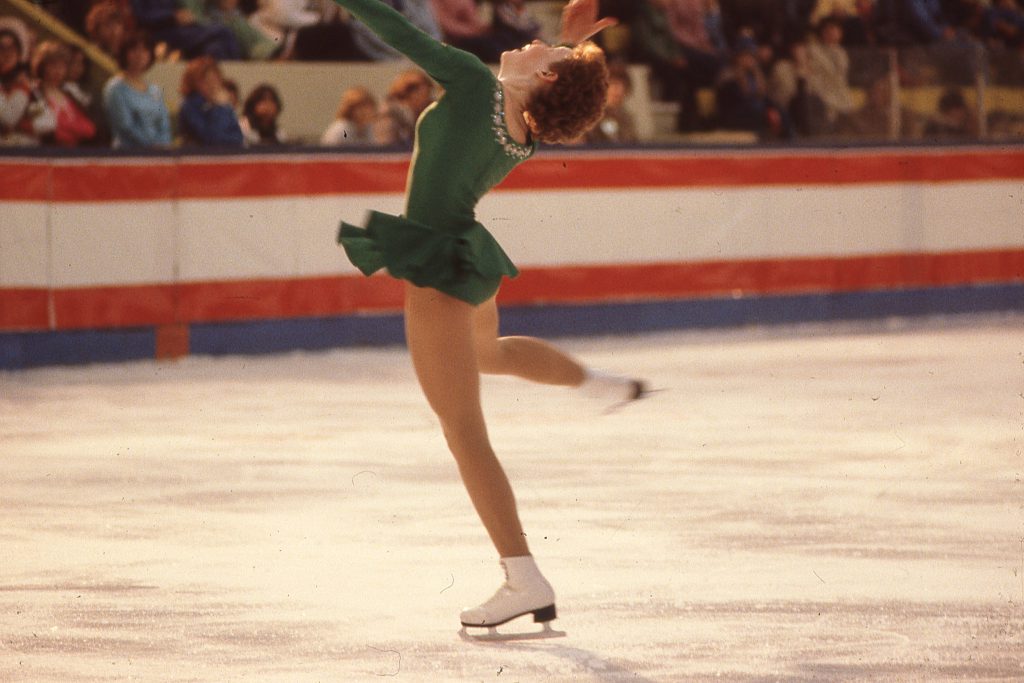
[(815, 503)]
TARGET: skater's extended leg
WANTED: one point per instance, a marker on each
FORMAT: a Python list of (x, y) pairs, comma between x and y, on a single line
[(526, 357), (439, 333), (538, 361)]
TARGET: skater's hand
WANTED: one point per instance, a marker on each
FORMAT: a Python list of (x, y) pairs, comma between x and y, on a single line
[(579, 21)]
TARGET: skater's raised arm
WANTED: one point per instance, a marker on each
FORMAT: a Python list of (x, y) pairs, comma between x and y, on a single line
[(394, 29)]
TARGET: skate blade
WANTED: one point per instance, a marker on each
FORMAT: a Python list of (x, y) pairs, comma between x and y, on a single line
[(640, 392), (493, 635)]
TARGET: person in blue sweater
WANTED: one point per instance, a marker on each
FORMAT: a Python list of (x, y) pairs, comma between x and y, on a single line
[(135, 109), (206, 116)]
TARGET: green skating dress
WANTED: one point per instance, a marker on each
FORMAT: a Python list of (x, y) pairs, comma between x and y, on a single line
[(462, 150)]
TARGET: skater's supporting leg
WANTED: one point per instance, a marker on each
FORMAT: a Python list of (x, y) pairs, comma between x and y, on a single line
[(439, 332), (526, 357)]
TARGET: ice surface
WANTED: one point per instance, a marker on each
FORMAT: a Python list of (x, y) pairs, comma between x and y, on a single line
[(817, 503)]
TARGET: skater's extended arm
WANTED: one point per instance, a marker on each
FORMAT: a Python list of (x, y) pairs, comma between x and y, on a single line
[(394, 29)]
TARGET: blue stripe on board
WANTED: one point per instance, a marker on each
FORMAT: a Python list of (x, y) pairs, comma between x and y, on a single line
[(652, 316), (295, 334), (75, 347), (31, 349)]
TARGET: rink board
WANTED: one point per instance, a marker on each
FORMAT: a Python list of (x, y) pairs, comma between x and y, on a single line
[(106, 258)]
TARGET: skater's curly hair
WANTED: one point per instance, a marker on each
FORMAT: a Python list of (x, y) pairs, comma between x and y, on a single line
[(575, 101)]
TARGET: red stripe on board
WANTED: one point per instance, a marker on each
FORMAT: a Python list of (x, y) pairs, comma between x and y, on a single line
[(275, 178), (144, 305), (104, 182), (243, 176), (754, 278), (101, 307), (248, 300), (732, 170), (104, 307), (25, 182), (24, 309)]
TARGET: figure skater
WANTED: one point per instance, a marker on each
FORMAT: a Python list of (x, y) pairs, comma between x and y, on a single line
[(466, 143)]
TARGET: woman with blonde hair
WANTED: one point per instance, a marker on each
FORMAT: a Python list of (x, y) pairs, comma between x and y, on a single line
[(409, 93), (50, 64), (353, 124), (467, 142)]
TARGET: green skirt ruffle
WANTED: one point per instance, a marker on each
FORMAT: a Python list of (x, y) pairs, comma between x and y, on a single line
[(468, 265)]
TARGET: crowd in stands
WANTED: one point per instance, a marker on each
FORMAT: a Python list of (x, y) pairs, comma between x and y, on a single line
[(778, 68)]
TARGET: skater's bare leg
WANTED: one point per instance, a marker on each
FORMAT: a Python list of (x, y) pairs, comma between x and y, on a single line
[(439, 333), (526, 357)]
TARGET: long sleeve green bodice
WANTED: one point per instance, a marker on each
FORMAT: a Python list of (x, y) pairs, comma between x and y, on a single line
[(462, 150)]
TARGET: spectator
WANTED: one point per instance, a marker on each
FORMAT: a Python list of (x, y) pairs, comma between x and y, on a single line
[(168, 21), (410, 93), (741, 96), (828, 72), (617, 124), (1003, 24), (906, 22), (513, 25), (689, 20), (78, 86), (954, 120), (372, 48), (965, 15), (792, 94), (77, 83), (206, 116), (260, 115), (354, 122), (463, 27), (252, 42), (135, 108), (832, 8), (331, 37), (771, 23), (106, 26), (715, 27), (49, 71), (679, 67), (794, 20), (21, 32), (23, 120), (280, 20), (854, 15), (50, 63)]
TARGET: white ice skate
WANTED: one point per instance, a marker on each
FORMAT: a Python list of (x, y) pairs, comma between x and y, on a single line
[(525, 591), (614, 391)]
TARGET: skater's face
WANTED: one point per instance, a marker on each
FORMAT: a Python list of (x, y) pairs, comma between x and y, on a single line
[(534, 59)]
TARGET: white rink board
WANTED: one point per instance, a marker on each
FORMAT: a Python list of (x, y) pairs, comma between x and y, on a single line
[(117, 243)]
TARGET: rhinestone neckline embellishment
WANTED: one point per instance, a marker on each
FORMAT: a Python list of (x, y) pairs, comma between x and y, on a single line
[(511, 147)]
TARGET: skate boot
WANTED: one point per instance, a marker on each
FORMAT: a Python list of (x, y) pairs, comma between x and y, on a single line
[(525, 591), (613, 390)]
